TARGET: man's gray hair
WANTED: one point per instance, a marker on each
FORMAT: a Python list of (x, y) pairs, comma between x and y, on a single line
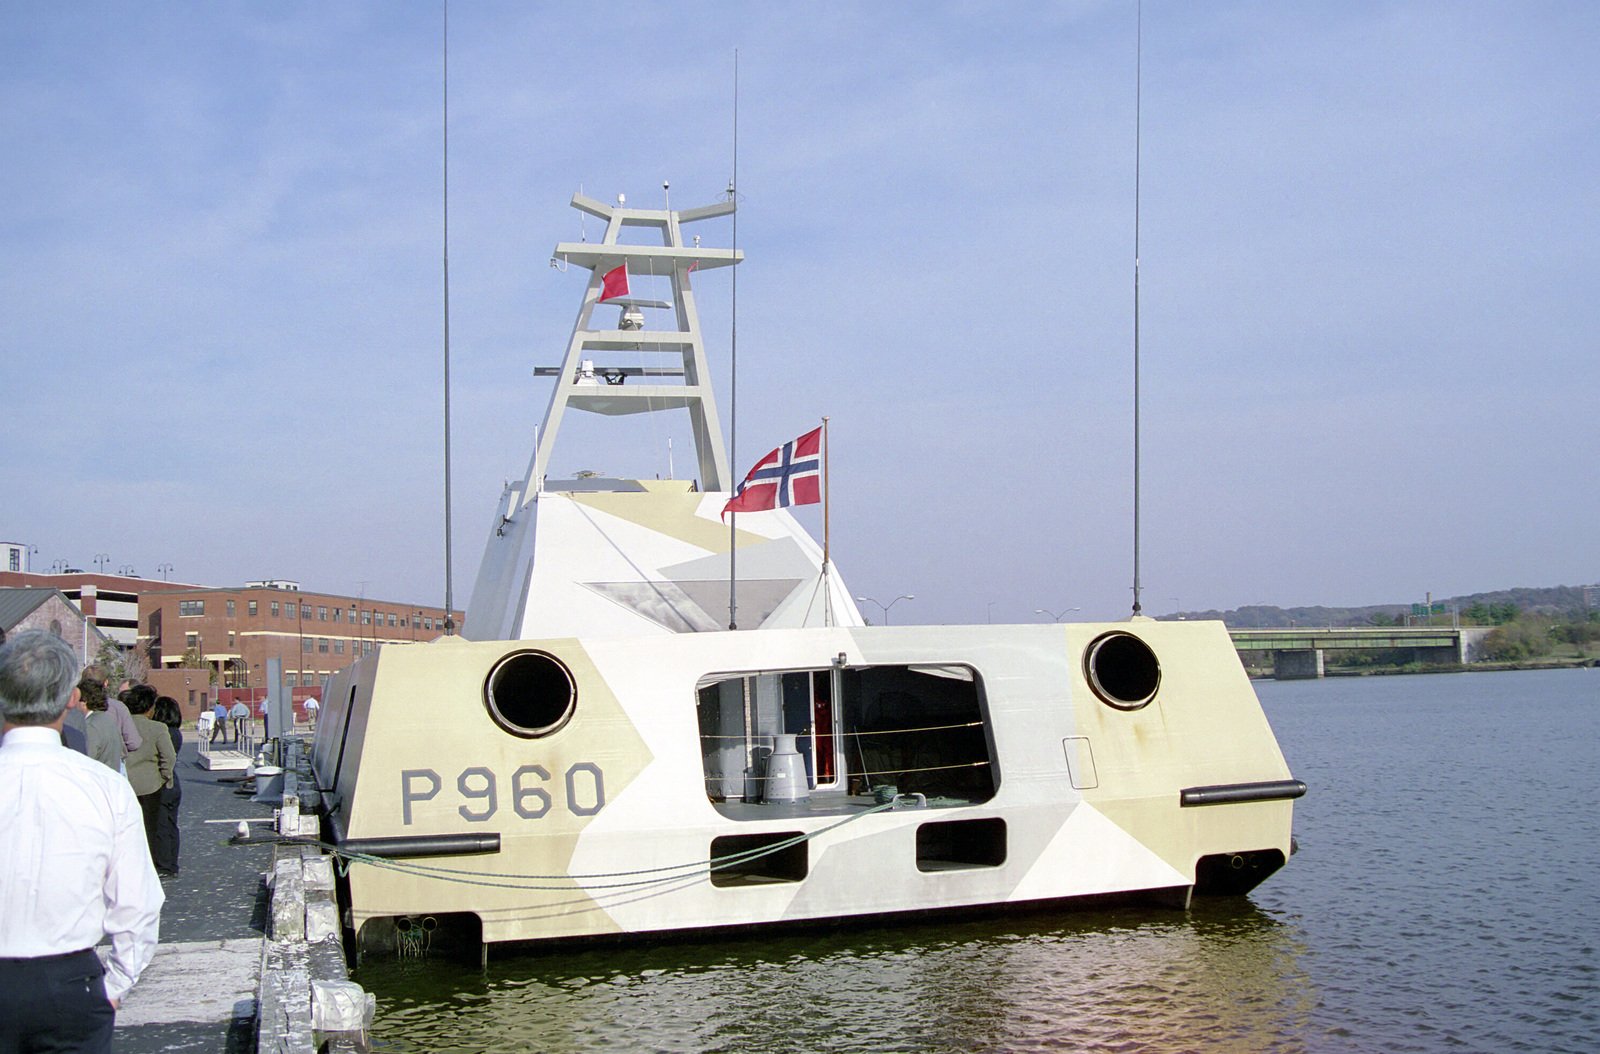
[(37, 673)]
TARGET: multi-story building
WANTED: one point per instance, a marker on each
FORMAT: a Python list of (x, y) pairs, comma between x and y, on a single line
[(205, 643), (14, 556), (233, 632), (109, 602), (46, 609)]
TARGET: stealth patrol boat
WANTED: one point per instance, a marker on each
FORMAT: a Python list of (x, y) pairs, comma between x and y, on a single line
[(596, 755)]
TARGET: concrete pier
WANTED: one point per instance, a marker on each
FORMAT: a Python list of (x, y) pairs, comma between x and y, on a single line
[(1297, 665), (235, 971), (199, 992)]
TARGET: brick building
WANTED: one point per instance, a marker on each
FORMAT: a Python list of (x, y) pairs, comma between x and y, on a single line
[(109, 602), (231, 633), (49, 610)]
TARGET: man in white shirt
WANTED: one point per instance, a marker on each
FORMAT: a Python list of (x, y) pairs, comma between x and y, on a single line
[(241, 717), (76, 865)]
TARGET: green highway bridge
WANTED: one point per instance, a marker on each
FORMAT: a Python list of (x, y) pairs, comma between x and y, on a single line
[(1296, 652)]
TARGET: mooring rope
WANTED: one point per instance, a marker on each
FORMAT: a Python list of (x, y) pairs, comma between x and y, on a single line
[(881, 732), (880, 772), (667, 873)]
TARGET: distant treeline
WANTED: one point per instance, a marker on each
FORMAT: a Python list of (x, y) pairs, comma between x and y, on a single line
[(1500, 608)]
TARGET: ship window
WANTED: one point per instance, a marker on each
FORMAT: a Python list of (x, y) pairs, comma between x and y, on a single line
[(961, 844), (861, 732), (530, 694), (1122, 670), (758, 859)]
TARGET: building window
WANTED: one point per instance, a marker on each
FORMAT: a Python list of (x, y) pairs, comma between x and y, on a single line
[(231, 611), (274, 609), (250, 609), (366, 618), (291, 680), (366, 647), (230, 638), (338, 614), (338, 647), (191, 640), (305, 611), (191, 607), (391, 619), (322, 613), (306, 644), (322, 645), (427, 622)]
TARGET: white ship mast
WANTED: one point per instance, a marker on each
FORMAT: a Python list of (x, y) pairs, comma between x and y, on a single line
[(604, 389), (610, 557)]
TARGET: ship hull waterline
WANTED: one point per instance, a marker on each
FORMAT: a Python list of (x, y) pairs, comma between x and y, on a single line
[(577, 788)]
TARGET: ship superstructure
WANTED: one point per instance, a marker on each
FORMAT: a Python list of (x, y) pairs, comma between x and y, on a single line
[(600, 556)]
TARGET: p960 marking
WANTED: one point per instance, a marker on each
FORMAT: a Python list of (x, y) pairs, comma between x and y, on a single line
[(584, 793)]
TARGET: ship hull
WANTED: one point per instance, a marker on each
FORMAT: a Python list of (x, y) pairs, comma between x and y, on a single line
[(572, 788)]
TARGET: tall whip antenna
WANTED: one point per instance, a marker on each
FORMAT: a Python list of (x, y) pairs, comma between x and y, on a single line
[(449, 581), (1138, 109), (733, 359)]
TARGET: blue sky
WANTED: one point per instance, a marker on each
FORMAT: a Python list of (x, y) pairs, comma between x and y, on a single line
[(1368, 284)]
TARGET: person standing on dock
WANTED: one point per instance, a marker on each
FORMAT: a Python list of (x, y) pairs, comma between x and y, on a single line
[(219, 725), (241, 717), (77, 867), (151, 769), (105, 739), (119, 712)]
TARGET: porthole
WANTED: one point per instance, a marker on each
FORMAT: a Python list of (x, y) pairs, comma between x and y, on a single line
[(1122, 670), (530, 694)]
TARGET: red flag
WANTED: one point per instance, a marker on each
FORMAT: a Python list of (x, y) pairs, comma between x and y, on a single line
[(790, 475), (615, 283)]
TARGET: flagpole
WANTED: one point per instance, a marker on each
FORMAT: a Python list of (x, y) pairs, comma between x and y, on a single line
[(733, 362), (827, 591), (449, 577)]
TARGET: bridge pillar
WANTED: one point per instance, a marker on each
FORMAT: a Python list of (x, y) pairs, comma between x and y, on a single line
[(1297, 665)]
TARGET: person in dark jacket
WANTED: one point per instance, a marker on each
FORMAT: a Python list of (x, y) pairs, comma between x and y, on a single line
[(164, 846), (152, 766)]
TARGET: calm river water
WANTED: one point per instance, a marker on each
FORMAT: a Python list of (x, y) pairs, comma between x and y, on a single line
[(1444, 899)]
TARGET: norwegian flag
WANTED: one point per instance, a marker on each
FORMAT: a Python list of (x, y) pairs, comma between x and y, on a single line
[(614, 283), (790, 475)]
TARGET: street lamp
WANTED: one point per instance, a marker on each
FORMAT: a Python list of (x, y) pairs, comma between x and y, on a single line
[(885, 607), (101, 560), (165, 569), (1055, 616), (1177, 607)]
